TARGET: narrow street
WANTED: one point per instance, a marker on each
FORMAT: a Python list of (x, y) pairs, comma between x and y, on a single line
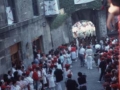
[(92, 76)]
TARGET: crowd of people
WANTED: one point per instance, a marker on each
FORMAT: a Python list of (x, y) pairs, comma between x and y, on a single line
[(106, 57), (48, 71)]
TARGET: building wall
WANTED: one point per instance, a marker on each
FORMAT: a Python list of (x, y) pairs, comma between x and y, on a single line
[(24, 9), (102, 27), (62, 34), (3, 19), (26, 30)]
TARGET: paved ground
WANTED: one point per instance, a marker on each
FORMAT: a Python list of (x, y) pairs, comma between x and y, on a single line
[(92, 76)]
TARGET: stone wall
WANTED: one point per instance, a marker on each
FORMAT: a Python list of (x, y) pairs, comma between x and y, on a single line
[(102, 18), (24, 34), (3, 19), (27, 29), (24, 9), (62, 34)]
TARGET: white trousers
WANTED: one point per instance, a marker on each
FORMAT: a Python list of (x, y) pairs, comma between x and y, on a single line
[(58, 86), (89, 62)]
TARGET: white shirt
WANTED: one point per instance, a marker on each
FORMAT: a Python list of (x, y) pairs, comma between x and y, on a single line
[(107, 48), (82, 51), (13, 69), (114, 41), (17, 87), (73, 55), (38, 55), (59, 66), (89, 52), (39, 74), (51, 80), (69, 48), (97, 46), (61, 58), (20, 72), (31, 73), (66, 72)]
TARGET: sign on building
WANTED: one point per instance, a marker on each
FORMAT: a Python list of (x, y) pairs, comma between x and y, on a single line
[(82, 1), (51, 7), (9, 16)]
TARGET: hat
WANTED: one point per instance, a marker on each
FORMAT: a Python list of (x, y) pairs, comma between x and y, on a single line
[(108, 57), (53, 61), (30, 68), (52, 65), (38, 51), (3, 87), (34, 66), (69, 75), (102, 58), (104, 54), (27, 72), (88, 47), (67, 65), (40, 65)]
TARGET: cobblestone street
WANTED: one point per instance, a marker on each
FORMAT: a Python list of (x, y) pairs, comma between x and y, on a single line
[(92, 76)]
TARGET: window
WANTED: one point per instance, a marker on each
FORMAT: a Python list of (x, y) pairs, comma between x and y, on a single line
[(11, 16), (35, 8)]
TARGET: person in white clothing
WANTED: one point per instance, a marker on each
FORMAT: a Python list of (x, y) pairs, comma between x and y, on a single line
[(89, 57), (69, 48), (107, 47), (38, 55), (81, 55), (69, 58), (97, 46), (51, 81), (29, 80), (67, 70), (65, 59), (61, 58), (73, 54), (59, 66), (14, 86)]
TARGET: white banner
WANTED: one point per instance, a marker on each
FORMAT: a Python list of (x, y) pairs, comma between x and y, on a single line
[(9, 15), (51, 7), (82, 1)]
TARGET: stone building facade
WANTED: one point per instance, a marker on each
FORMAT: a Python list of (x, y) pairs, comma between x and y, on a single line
[(29, 27)]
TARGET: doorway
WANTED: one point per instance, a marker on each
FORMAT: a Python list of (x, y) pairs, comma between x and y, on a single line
[(15, 53), (37, 46)]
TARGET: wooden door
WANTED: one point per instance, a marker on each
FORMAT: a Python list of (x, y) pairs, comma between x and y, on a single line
[(14, 51)]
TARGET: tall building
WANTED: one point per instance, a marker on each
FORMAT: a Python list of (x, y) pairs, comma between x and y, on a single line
[(23, 25)]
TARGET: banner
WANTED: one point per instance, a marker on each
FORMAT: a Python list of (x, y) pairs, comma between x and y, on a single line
[(9, 15), (82, 1), (51, 7)]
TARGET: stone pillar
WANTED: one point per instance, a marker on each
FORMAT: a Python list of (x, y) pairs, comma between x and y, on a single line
[(3, 20), (102, 23)]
